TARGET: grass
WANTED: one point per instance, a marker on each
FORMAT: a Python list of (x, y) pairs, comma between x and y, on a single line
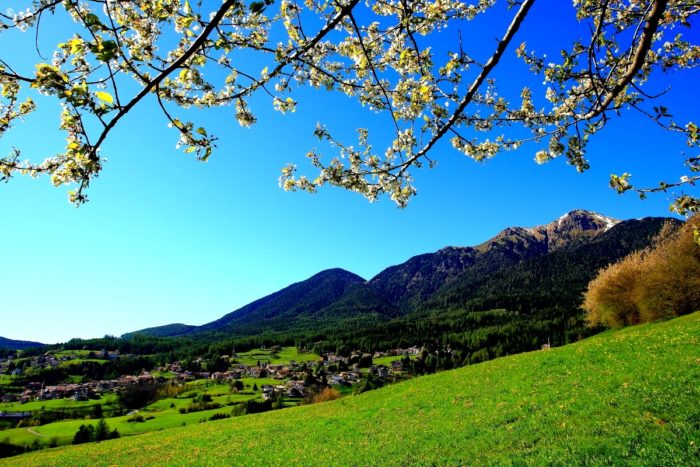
[(623, 397), (8, 381), (162, 414), (80, 361), (57, 404), (63, 432), (284, 355), (386, 361)]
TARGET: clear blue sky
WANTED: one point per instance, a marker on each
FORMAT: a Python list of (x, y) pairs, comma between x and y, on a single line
[(167, 239)]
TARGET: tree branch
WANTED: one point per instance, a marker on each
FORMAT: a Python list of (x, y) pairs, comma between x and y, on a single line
[(640, 54), (474, 87)]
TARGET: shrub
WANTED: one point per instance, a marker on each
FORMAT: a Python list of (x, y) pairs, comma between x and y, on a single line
[(328, 394), (662, 281), (85, 434), (238, 410), (199, 406), (671, 284), (135, 418), (89, 433), (8, 449), (219, 416), (136, 396), (611, 298)]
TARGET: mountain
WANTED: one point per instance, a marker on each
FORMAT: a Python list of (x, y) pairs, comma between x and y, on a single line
[(514, 308), (519, 269), (168, 330), (302, 301), (18, 345), (559, 277), (414, 282)]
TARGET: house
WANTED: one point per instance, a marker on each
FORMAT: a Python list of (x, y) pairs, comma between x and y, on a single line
[(267, 391), (295, 389), (337, 380), (351, 376), (254, 371), (380, 370), (81, 395), (7, 398)]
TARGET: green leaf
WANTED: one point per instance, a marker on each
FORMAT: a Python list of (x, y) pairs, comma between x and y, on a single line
[(105, 96)]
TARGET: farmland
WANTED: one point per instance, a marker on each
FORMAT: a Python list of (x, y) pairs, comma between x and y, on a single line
[(57, 404), (625, 396), (275, 356), (162, 414)]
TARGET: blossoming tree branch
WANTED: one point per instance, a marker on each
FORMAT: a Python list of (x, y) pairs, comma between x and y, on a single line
[(378, 52)]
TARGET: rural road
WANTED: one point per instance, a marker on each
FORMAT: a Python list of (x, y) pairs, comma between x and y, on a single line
[(37, 434)]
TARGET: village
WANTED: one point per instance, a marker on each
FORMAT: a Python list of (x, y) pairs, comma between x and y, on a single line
[(293, 377)]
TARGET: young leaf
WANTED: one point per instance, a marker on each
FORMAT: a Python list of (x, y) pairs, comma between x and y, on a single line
[(105, 96)]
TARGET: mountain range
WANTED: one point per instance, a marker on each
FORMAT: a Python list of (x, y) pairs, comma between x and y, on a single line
[(520, 269), (10, 344)]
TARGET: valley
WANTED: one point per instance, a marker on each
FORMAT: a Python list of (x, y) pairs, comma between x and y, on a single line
[(332, 336), (625, 396)]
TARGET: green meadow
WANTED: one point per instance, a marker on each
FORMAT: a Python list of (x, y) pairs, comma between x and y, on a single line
[(57, 404), (283, 355), (162, 414), (7, 380), (626, 396), (386, 361)]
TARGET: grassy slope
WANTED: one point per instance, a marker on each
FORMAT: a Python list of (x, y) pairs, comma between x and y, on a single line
[(283, 356), (623, 396), (57, 404), (163, 415)]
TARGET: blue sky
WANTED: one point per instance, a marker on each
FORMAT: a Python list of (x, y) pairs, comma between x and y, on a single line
[(167, 239)]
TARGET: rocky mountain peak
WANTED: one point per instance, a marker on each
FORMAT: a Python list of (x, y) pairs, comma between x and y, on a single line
[(583, 220), (573, 227)]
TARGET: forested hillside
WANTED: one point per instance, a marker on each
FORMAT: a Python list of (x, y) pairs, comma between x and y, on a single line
[(510, 294)]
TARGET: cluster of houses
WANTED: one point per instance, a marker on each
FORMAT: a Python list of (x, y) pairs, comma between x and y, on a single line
[(337, 371), (79, 392), (48, 360)]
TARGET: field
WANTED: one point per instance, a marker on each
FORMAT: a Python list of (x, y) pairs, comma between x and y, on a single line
[(386, 361), (7, 380), (162, 414), (284, 355), (57, 404), (623, 397)]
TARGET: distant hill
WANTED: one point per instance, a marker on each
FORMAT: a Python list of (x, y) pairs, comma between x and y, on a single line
[(624, 397), (18, 345), (520, 269), (301, 301), (169, 330)]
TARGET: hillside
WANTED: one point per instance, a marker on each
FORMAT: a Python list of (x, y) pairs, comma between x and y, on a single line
[(409, 285), (625, 396), (299, 301), (18, 345), (520, 269), (557, 278)]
